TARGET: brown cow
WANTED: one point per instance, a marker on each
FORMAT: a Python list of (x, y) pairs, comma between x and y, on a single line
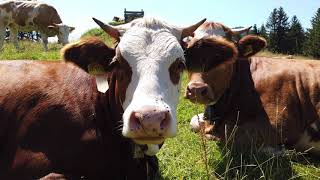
[(57, 118), (32, 16), (274, 101)]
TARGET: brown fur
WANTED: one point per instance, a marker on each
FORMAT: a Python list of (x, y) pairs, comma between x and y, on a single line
[(250, 45), (87, 51), (275, 98), (205, 54), (53, 119), (175, 71)]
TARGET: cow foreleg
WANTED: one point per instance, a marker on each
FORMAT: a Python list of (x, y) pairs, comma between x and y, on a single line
[(13, 37), (44, 41), (2, 35)]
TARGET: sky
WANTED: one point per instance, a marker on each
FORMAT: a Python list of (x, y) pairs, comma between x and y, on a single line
[(232, 13)]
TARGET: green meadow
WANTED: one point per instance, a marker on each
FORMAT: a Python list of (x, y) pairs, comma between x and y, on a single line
[(189, 155)]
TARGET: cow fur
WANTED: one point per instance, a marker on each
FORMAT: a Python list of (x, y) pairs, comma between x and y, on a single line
[(32, 16)]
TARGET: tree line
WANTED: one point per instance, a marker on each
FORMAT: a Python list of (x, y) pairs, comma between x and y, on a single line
[(288, 36)]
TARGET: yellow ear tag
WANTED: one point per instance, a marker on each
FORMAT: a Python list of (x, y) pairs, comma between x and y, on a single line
[(101, 80)]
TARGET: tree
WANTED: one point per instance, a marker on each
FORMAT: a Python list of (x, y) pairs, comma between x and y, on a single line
[(263, 32), (254, 30), (278, 27), (296, 36), (313, 37)]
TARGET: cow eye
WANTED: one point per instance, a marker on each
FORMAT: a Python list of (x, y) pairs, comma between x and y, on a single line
[(176, 69), (181, 65)]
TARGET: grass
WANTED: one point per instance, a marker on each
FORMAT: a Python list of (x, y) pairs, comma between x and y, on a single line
[(189, 156), (34, 51), (282, 56)]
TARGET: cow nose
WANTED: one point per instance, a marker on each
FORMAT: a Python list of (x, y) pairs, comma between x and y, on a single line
[(151, 120), (197, 90)]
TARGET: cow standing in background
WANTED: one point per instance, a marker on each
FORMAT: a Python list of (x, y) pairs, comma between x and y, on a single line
[(29, 16), (274, 102)]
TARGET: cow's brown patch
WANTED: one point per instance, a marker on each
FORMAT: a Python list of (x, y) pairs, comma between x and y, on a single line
[(175, 71), (205, 54), (22, 13), (7, 6), (47, 16), (121, 69), (87, 51), (250, 45)]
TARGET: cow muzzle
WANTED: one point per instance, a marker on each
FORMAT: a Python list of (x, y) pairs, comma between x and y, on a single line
[(149, 125), (199, 92)]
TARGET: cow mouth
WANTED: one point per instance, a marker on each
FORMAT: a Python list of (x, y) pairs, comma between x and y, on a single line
[(204, 101), (149, 140)]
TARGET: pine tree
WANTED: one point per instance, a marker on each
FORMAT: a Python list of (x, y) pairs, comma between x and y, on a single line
[(278, 27), (254, 30), (312, 47), (296, 36), (263, 32), (272, 25)]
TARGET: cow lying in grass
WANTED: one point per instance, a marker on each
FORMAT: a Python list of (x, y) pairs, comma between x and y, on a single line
[(57, 118), (32, 16), (274, 102)]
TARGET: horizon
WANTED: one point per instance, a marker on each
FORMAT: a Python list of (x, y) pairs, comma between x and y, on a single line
[(182, 13)]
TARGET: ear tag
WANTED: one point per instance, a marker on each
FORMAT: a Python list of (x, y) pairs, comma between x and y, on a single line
[(249, 50), (99, 73)]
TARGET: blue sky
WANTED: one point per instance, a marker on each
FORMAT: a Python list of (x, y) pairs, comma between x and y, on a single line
[(230, 12)]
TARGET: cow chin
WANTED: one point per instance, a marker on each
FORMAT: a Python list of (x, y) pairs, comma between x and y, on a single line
[(149, 123)]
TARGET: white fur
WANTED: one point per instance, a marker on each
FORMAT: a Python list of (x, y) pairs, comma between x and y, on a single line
[(150, 47), (64, 30), (210, 31), (196, 122), (152, 150)]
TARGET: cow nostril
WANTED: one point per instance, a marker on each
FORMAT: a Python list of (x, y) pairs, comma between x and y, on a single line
[(204, 92), (164, 123), (135, 121)]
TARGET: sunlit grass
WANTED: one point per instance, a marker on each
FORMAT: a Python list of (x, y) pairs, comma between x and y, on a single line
[(182, 157)]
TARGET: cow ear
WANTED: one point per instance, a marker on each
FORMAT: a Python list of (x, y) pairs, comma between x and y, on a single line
[(251, 45), (88, 52), (209, 52)]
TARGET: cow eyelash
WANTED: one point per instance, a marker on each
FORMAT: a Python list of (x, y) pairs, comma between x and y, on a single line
[(181, 64)]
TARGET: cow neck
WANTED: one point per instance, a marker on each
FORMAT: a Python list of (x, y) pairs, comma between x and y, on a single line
[(226, 102), (124, 150)]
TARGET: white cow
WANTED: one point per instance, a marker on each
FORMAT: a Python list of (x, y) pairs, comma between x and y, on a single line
[(32, 15)]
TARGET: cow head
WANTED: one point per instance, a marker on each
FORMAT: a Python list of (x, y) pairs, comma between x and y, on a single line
[(149, 61), (211, 54), (62, 31)]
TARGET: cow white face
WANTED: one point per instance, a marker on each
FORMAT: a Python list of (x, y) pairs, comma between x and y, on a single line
[(63, 33), (151, 53)]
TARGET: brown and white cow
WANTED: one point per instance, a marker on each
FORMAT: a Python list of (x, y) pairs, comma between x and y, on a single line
[(273, 101), (32, 16), (57, 118)]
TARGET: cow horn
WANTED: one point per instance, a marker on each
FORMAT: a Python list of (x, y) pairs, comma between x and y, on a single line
[(113, 32), (236, 32), (188, 31)]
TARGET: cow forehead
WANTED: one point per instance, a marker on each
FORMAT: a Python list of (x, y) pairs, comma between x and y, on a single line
[(143, 44), (210, 29)]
